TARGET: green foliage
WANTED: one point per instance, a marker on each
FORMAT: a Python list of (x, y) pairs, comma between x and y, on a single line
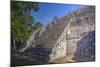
[(23, 8), (21, 21), (37, 24)]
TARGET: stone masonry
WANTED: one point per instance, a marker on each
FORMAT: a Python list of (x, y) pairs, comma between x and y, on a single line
[(71, 35)]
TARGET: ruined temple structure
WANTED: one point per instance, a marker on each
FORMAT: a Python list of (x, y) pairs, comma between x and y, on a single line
[(72, 35)]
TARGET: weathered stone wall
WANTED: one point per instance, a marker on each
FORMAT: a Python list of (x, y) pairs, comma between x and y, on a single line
[(68, 36), (86, 47), (80, 30), (59, 50), (78, 27)]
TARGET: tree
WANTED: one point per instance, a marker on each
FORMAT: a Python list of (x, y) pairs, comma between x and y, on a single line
[(21, 21), (36, 26)]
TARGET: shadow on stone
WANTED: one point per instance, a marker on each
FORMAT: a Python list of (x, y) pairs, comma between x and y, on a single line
[(39, 52), (86, 48), (33, 56)]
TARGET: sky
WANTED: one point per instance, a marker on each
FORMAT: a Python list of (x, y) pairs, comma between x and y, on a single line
[(47, 11)]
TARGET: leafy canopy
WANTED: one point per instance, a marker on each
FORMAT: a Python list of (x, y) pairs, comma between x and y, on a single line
[(21, 21)]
